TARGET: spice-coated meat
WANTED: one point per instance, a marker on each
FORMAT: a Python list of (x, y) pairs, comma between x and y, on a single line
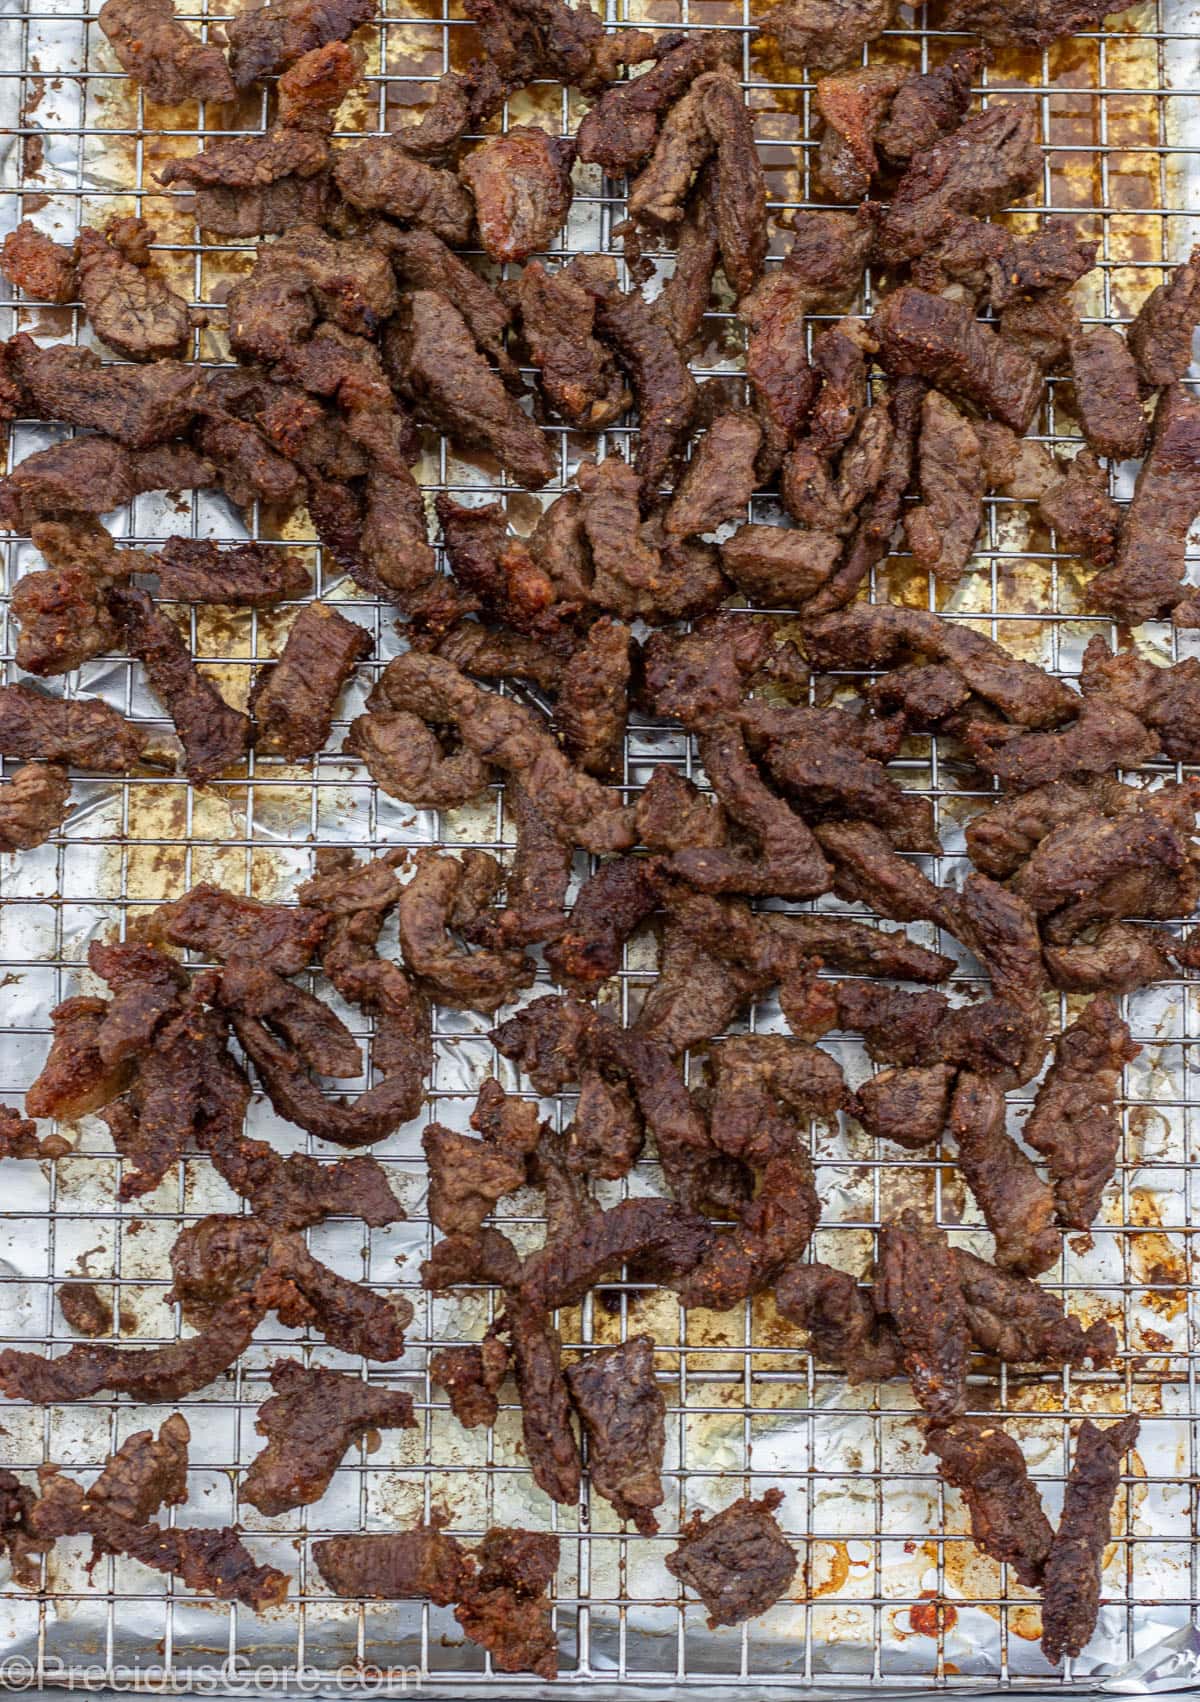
[(579, 376), (1072, 1579), (74, 1078), (317, 1033), (622, 127), (606, 1135), (294, 701), (225, 925), (668, 1237), (624, 1417), (1028, 23), (719, 479), (87, 1311), (739, 188), (506, 1608), (471, 1376), (766, 1089), (593, 698), (684, 298), (521, 186), (137, 406), (159, 50), (1085, 518), (868, 871), (1107, 398), (940, 340), (309, 1422), (535, 890), (146, 986), (1146, 579), (549, 1437), (1019, 1322), (129, 307), (929, 106), (250, 575), (422, 261), (1007, 1520), (258, 185), (611, 905), (774, 1228), (917, 1285), (1167, 700), (34, 803), (1120, 958), (738, 1561), (1001, 837), (1018, 1207), (843, 1326), (906, 1105), (35, 263), (989, 161), (93, 475), (637, 570), (852, 105), (267, 39), (1161, 335), (396, 1566), (378, 175), (445, 895), (823, 34), (311, 90), (942, 530), (996, 1036), (779, 566), (466, 1178), (63, 610)]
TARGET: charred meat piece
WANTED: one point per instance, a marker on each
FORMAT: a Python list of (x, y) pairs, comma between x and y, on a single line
[(224, 925), (739, 188), (661, 1236), (579, 377), (396, 1566), (1104, 738), (940, 340), (953, 481), (823, 34), (777, 565), (549, 1039), (252, 576), (471, 1376), (550, 1444), (989, 161), (347, 283), (215, 737), (1083, 515), (1167, 700), (92, 475), (272, 37), (146, 986), (1161, 335), (434, 358), (86, 1310), (1074, 1123), (774, 1228), (311, 1420), (929, 106), (447, 894), (378, 175), (1001, 837), (719, 479), (316, 1032), (611, 905), (296, 1190), (536, 887), (258, 185), (1007, 1520), (34, 803), (917, 1284), (672, 812), (1017, 1205), (504, 575), (844, 1328), (880, 635), (294, 701), (63, 609), (35, 263), (765, 1086), (1107, 397), (19, 1138), (1018, 1322), (506, 1609), (684, 298), (466, 1178), (593, 698), (1146, 579), (623, 126), (738, 1561), (909, 1106), (171, 63), (624, 1417), (129, 306), (852, 106), (75, 1079), (137, 406), (521, 184), (1071, 1582), (16, 1538)]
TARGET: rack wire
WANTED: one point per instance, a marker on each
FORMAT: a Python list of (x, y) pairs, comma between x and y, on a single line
[(890, 1590)]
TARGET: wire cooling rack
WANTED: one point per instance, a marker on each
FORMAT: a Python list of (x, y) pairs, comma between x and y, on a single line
[(890, 1591)]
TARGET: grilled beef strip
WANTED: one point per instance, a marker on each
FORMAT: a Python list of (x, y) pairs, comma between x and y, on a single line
[(1071, 1582)]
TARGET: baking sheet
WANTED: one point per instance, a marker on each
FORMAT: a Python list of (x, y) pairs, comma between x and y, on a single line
[(891, 1591)]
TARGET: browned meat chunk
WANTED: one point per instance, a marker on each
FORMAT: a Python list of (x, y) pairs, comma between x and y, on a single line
[(448, 894), (1029, 23), (146, 985), (294, 701), (1072, 1580), (1104, 738), (852, 106), (740, 191), (319, 1035), (550, 1445), (579, 376), (1119, 959), (253, 576), (87, 1311), (989, 161), (738, 1561), (868, 871), (63, 610), (421, 261), (660, 193), (719, 479), (842, 1323), (661, 1235), (1018, 1322), (953, 481), (1074, 1123), (637, 569), (1007, 1519), (1083, 515), (1167, 700), (610, 906), (1000, 839), (311, 90), (593, 698), (309, 1423), (396, 1566), (1147, 577), (506, 1608), (75, 1079), (34, 803), (823, 34), (407, 760), (267, 39), (215, 737), (1161, 335), (171, 63), (377, 175), (774, 1228), (765, 1088), (917, 1283), (521, 184), (1107, 397), (778, 565), (471, 1376), (940, 340), (1017, 1205), (92, 475), (466, 1178), (258, 185), (224, 925), (605, 1136), (929, 106), (129, 306), (624, 1417), (622, 127), (35, 263), (908, 1106)]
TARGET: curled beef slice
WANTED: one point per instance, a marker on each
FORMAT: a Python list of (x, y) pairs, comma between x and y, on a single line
[(880, 635), (1120, 958), (137, 406), (395, 1566), (536, 887), (1146, 580), (156, 48), (129, 307), (929, 106), (378, 175), (1104, 738), (824, 34), (660, 1235), (765, 1088), (294, 1191), (940, 340), (738, 1561), (434, 356), (605, 1136), (521, 185), (622, 127), (579, 377), (979, 1458), (843, 1326), (1001, 837), (624, 1417), (1017, 1205), (550, 1444), (466, 1178), (659, 194), (215, 737), (511, 737), (1074, 1123), (35, 263), (309, 1422), (987, 162), (294, 701), (34, 803), (1161, 335), (611, 904), (1165, 699), (593, 698), (316, 1032), (908, 1106), (1018, 1322), (942, 530), (75, 1079), (479, 980), (774, 1228), (225, 925), (1107, 397), (719, 479), (1072, 1578), (267, 39), (471, 1376), (917, 1284)]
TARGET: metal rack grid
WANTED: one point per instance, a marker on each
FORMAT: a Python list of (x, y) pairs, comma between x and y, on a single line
[(890, 1590)]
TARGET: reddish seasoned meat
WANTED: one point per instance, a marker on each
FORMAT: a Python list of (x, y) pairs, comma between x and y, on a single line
[(940, 340), (34, 803), (1084, 517), (1028, 23), (75, 1079), (774, 1228), (1017, 1205), (129, 306), (307, 274), (550, 1444), (823, 34), (316, 1032), (506, 1609), (942, 530), (311, 1420), (171, 63), (63, 609), (1107, 397), (503, 574), (137, 406), (738, 1561), (35, 263), (1167, 700), (1074, 1123), (466, 1178), (624, 1417), (1104, 738), (929, 106), (1017, 1321), (1001, 837), (1007, 1521), (593, 698), (16, 1536), (917, 1284), (311, 90), (19, 1138), (988, 162), (87, 1311), (396, 1566), (146, 985), (471, 1376), (93, 475), (224, 925), (739, 188), (1072, 1580), (521, 185), (766, 1087), (378, 175), (1161, 335), (874, 635), (536, 887), (1147, 578), (777, 565), (719, 479), (267, 39), (908, 1106), (660, 1235), (448, 895), (579, 377), (611, 904), (215, 737), (622, 127), (1120, 958), (294, 701), (258, 185), (852, 106)]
